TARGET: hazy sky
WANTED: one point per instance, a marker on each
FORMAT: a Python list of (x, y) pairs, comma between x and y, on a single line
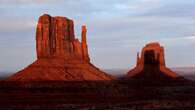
[(117, 29)]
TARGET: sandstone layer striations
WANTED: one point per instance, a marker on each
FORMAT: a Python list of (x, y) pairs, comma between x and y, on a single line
[(151, 64), (60, 56)]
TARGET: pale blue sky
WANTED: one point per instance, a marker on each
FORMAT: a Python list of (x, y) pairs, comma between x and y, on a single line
[(117, 29)]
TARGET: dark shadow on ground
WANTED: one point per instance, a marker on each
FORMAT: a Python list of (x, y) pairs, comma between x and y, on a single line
[(126, 94)]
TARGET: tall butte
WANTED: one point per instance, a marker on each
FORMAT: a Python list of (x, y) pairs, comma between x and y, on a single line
[(60, 56), (151, 64)]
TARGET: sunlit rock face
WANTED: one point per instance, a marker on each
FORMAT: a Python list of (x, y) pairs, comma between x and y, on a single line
[(55, 39), (60, 56), (151, 64)]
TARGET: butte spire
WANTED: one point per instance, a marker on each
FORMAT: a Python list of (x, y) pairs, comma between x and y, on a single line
[(84, 44)]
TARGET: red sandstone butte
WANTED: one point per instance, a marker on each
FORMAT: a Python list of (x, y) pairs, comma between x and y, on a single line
[(151, 64), (60, 56)]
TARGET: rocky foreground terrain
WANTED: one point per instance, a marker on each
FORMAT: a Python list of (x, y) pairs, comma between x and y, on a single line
[(98, 95)]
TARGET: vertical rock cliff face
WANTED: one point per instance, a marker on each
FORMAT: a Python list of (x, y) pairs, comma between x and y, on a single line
[(60, 56), (55, 39), (151, 64)]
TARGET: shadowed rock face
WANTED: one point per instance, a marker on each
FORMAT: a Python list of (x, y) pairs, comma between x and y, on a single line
[(151, 64), (60, 56)]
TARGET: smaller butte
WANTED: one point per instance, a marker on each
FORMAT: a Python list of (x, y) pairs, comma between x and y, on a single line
[(151, 64)]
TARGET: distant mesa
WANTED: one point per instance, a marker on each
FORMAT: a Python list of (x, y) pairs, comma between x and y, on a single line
[(60, 56), (151, 64)]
